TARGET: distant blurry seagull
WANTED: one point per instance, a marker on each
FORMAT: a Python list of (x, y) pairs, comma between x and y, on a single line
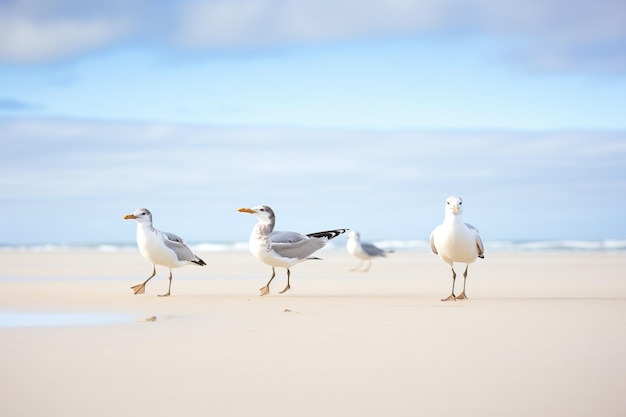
[(160, 248), (455, 241), (282, 249), (365, 251)]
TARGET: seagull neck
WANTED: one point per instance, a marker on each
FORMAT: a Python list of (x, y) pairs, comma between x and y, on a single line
[(453, 219), (264, 228), (145, 226)]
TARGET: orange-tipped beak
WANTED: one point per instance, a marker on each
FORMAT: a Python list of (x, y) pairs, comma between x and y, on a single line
[(245, 210), (455, 209), (129, 216)]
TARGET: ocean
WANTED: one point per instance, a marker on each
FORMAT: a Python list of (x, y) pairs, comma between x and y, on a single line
[(611, 245)]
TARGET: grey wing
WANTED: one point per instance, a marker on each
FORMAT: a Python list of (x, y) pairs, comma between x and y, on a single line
[(432, 243), (372, 250), (469, 226), (278, 236), (176, 243), (300, 249), (479, 241), (479, 244), (173, 237)]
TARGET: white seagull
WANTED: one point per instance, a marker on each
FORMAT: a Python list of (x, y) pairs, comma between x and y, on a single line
[(365, 251), (455, 241), (160, 248), (282, 249)]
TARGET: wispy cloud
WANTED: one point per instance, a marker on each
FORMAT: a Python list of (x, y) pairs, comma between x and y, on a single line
[(552, 35), (392, 184)]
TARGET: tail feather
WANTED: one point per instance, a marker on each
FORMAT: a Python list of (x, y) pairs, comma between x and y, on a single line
[(199, 261), (328, 234)]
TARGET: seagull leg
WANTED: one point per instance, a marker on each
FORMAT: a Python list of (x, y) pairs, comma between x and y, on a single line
[(141, 288), (462, 296), (287, 287), (266, 290), (168, 288), (451, 296), (369, 263), (357, 267)]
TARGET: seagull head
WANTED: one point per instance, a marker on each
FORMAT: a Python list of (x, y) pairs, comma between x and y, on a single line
[(141, 215), (353, 234), (263, 213), (454, 205)]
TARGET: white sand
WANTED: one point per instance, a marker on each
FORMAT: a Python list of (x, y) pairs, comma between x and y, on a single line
[(541, 335)]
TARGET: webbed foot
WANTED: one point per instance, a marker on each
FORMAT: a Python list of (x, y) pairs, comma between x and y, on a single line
[(139, 288)]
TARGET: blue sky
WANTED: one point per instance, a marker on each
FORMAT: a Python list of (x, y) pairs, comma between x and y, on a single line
[(360, 114)]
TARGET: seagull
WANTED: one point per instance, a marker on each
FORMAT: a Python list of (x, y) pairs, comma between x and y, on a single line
[(282, 249), (365, 251), (455, 241), (160, 248)]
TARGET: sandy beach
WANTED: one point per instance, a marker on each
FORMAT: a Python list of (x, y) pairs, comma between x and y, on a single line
[(543, 334)]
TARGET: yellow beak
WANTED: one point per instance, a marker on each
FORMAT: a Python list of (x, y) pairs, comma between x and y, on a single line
[(129, 216), (245, 210)]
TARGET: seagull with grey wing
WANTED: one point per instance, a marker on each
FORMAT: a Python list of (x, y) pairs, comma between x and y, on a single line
[(455, 241), (364, 251), (160, 248), (280, 249)]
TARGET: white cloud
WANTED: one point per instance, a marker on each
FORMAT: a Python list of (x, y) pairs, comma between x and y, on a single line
[(553, 35), (33, 33), (392, 185), (265, 22), (546, 35)]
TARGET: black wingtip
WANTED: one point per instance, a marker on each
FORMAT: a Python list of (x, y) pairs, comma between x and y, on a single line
[(329, 234)]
